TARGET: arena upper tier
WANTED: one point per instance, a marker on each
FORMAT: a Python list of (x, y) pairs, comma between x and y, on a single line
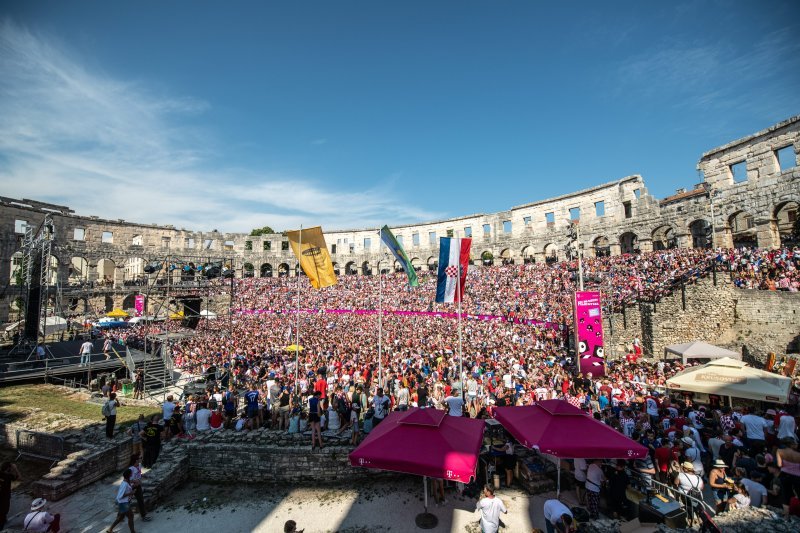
[(751, 185)]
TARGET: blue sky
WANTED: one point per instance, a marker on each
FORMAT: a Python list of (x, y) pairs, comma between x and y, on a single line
[(351, 114)]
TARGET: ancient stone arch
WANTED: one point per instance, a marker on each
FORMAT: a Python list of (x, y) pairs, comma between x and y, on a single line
[(742, 227), (248, 270), (601, 246), (106, 272), (283, 270), (432, 263), (527, 255), (366, 269), (629, 243), (550, 252), (78, 270), (350, 269), (266, 270), (664, 237), (786, 222), (700, 233)]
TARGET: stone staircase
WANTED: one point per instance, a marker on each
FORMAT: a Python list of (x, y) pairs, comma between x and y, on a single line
[(156, 375)]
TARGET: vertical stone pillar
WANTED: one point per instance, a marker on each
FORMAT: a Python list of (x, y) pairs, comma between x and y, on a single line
[(615, 248), (646, 245), (767, 233)]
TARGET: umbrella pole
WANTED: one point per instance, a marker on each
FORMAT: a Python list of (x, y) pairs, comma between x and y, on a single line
[(426, 520), (425, 489), (558, 481)]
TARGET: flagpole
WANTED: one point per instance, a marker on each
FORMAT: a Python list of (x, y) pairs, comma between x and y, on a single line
[(297, 318), (380, 315), (460, 354)]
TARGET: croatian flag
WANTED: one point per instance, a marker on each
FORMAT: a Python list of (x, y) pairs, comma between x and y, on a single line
[(452, 253)]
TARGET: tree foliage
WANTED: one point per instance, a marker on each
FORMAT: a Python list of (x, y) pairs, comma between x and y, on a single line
[(266, 230)]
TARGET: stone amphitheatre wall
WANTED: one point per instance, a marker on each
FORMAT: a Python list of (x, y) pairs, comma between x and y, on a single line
[(750, 194), (750, 321)]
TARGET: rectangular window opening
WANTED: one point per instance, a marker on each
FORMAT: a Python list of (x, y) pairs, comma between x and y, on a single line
[(739, 171), (786, 157), (550, 218), (165, 242), (188, 243), (208, 244), (432, 237), (229, 245), (637, 193), (506, 226), (468, 231), (600, 208), (628, 210), (526, 220), (415, 239), (449, 233), (267, 246), (399, 239), (248, 245), (78, 234), (20, 226), (575, 213), (487, 230), (333, 249), (284, 245), (367, 243), (107, 237)]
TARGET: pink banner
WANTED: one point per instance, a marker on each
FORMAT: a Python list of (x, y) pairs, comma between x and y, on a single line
[(589, 333), (530, 322), (139, 304)]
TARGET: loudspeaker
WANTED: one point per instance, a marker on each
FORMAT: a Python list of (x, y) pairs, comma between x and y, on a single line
[(34, 299), (191, 312)]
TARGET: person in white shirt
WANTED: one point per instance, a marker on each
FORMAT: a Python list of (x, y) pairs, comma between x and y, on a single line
[(490, 508), (402, 398), (787, 428), (557, 517), (594, 480), (86, 352), (40, 520), (754, 426), (580, 479), (203, 418), (124, 494), (692, 455), (455, 403), (689, 479)]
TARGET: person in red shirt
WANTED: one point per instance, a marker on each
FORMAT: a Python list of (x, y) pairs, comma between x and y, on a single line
[(321, 385), (663, 456)]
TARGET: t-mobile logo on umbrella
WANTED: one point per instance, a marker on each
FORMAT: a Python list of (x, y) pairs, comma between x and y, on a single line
[(449, 474)]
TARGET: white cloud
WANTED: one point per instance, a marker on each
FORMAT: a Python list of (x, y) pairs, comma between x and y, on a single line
[(116, 149)]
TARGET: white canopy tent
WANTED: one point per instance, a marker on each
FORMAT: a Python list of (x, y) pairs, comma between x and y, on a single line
[(698, 350), (731, 377)]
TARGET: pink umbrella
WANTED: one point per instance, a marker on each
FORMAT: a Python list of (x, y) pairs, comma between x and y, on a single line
[(560, 429), (424, 442)]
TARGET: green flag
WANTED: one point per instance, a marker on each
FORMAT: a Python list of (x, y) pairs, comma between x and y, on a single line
[(397, 250)]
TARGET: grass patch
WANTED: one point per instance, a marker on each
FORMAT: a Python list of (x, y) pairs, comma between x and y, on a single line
[(20, 400)]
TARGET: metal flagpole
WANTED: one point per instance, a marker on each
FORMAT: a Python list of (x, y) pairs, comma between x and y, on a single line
[(380, 321), (460, 354), (297, 318)]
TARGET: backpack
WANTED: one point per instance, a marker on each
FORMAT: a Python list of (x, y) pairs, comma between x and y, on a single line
[(107, 408), (695, 493)]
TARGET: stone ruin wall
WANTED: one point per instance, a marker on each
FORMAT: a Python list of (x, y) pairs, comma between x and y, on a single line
[(751, 322), (633, 220)]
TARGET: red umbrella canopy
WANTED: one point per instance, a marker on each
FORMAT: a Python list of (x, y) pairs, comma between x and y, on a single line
[(563, 430), (425, 442)]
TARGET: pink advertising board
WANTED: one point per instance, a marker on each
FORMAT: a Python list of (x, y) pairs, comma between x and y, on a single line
[(589, 333), (139, 304)]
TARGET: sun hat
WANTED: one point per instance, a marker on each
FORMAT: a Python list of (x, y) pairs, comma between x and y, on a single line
[(687, 466), (38, 503), (719, 463), (688, 441)]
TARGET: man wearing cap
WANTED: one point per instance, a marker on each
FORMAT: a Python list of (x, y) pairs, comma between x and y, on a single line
[(40, 520), (557, 517)]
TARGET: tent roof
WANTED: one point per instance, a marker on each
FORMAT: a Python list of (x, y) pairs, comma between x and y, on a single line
[(699, 350), (560, 429), (424, 442), (730, 377)]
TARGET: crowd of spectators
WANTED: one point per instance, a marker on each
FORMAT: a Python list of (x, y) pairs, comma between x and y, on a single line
[(337, 382)]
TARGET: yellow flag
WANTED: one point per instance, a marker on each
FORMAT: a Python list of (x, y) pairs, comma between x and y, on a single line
[(310, 248)]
